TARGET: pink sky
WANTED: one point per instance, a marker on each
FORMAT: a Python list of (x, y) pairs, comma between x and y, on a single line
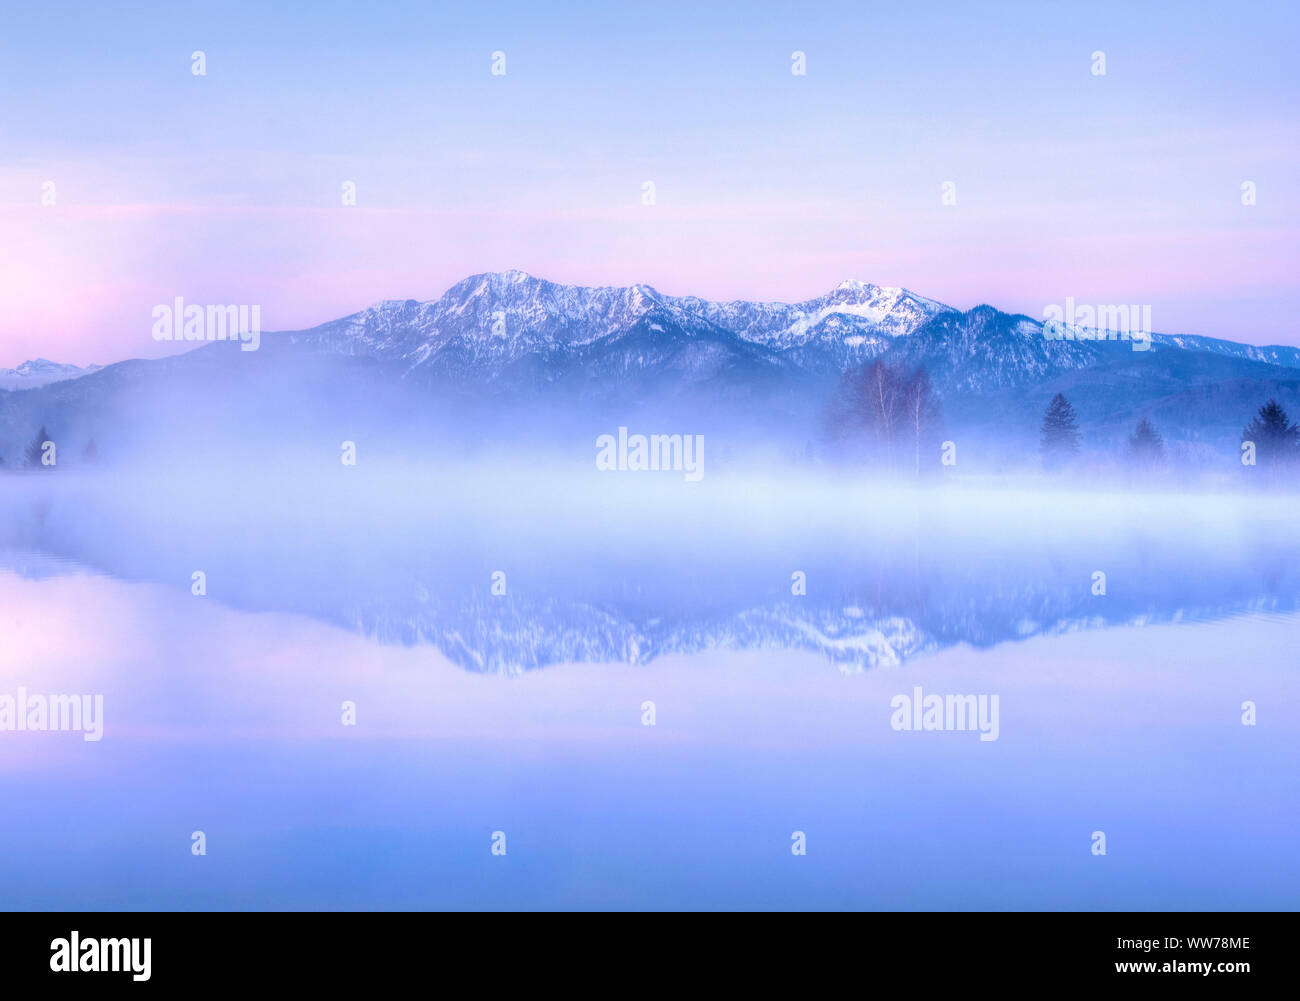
[(1121, 188), (80, 279)]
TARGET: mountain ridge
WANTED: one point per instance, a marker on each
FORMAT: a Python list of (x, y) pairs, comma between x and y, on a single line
[(504, 355), (37, 372), (841, 313)]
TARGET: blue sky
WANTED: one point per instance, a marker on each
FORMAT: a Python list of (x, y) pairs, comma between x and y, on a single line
[(1122, 188)]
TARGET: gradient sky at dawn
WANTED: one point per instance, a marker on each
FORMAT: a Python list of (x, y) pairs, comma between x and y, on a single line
[(1124, 188)]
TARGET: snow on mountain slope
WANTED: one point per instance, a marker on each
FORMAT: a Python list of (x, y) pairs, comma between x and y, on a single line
[(766, 368), (513, 324), (41, 372), (984, 349), (490, 321), (498, 318), (1273, 354)]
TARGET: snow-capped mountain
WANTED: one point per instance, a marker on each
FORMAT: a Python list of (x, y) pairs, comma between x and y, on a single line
[(504, 362), (1274, 354), (853, 322), (41, 372), (506, 356), (496, 319), (490, 322)]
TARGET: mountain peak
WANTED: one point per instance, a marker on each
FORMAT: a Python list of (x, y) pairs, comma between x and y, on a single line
[(41, 372), (37, 365), (876, 291), (496, 318)]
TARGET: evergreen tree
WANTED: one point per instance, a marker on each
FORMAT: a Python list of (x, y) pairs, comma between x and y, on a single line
[(1145, 446), (36, 447), (1060, 440), (1277, 440)]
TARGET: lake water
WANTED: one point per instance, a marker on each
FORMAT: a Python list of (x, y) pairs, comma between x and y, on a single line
[(525, 713)]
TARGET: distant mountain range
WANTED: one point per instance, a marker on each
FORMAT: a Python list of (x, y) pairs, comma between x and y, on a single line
[(500, 344), (41, 372), (487, 323)]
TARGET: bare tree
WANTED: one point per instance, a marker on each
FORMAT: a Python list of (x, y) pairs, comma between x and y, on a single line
[(886, 413), (922, 408)]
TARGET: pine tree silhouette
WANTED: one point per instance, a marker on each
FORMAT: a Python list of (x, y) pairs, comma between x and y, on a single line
[(36, 447), (1060, 441), (1277, 440), (1145, 446)]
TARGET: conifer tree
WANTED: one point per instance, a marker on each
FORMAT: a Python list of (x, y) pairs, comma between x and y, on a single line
[(1060, 433), (1145, 446), (36, 448), (1277, 440)]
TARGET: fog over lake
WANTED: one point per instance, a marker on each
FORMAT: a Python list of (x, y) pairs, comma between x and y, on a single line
[(525, 712), (508, 569)]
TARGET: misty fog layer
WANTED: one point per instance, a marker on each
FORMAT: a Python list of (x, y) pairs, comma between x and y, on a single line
[(505, 568)]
